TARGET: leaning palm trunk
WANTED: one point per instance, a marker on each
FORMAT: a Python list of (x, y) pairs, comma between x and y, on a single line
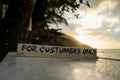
[(15, 23)]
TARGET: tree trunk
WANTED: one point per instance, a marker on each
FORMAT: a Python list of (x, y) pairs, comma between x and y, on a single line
[(15, 22)]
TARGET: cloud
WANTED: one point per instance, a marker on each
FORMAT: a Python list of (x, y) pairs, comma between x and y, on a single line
[(100, 24)]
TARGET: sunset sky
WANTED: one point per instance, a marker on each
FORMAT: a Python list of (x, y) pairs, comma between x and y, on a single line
[(98, 26)]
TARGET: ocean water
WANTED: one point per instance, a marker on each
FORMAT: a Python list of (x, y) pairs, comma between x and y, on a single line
[(108, 64), (25, 68), (109, 53)]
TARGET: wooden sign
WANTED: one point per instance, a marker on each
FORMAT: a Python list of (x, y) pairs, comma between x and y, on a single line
[(32, 50)]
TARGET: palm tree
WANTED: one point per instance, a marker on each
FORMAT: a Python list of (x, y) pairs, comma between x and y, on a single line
[(16, 21), (17, 18)]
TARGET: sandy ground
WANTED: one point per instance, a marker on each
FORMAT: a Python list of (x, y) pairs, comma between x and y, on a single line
[(28, 68)]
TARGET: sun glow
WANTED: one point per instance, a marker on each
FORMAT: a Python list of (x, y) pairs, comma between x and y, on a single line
[(94, 19), (85, 38)]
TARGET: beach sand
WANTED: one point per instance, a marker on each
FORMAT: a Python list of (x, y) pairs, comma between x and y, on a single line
[(26, 68)]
